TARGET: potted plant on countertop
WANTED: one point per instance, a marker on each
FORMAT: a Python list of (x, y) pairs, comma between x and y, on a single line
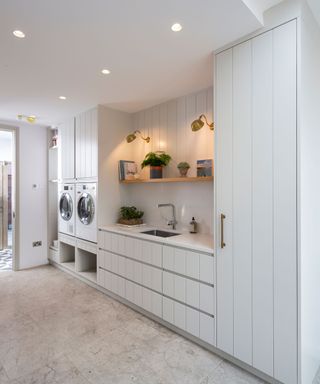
[(183, 168), (130, 216), (156, 160)]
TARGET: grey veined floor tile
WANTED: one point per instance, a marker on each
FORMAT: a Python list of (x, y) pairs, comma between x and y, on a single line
[(56, 329)]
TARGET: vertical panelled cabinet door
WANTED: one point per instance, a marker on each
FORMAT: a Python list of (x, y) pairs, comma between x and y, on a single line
[(87, 144), (255, 113), (67, 146)]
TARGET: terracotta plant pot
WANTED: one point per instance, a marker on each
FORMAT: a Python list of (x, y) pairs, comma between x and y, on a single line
[(156, 172), (183, 172)]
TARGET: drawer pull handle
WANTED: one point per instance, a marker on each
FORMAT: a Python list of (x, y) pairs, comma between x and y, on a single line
[(222, 217)]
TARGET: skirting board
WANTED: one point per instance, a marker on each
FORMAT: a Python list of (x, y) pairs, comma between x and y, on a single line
[(186, 335)]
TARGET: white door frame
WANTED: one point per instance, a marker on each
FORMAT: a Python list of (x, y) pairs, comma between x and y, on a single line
[(15, 194)]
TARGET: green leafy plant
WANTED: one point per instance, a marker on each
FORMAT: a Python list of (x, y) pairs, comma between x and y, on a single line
[(156, 159), (129, 213), (183, 165)]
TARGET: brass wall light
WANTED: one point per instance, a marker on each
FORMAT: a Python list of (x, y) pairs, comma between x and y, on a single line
[(199, 123), (30, 119), (130, 138)]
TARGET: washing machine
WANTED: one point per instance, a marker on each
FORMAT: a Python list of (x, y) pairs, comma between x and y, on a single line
[(66, 223), (86, 221)]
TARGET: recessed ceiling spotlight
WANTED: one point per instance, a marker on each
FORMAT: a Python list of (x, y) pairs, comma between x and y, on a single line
[(176, 27), (19, 34), (62, 98), (105, 71)]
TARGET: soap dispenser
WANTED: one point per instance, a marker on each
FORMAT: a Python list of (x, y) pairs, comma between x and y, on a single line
[(193, 226)]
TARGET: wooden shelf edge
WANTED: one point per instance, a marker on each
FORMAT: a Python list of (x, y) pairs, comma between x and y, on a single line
[(168, 180)]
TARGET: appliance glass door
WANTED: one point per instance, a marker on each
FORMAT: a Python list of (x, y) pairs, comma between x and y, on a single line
[(66, 206), (86, 208)]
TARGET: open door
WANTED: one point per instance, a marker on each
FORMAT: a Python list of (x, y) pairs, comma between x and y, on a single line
[(6, 200)]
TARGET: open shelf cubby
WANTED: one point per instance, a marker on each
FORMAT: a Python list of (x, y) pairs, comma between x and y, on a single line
[(86, 264), (67, 255)]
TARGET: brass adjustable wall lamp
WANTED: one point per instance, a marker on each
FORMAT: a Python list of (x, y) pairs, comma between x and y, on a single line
[(130, 138), (199, 123)]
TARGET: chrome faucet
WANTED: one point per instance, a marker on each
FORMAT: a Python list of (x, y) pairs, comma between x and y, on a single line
[(172, 222)]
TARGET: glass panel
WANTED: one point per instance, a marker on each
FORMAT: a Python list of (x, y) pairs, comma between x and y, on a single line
[(66, 207), (86, 209)]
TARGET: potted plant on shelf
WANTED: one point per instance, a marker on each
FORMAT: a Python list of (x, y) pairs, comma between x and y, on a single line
[(130, 216), (183, 168), (156, 160)]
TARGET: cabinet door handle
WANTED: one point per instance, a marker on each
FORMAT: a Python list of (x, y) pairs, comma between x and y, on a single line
[(222, 243)]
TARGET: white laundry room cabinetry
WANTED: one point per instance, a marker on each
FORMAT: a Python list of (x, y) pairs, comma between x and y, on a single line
[(86, 145), (67, 149)]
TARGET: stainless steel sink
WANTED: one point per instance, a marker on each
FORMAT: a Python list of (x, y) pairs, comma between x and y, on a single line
[(160, 233)]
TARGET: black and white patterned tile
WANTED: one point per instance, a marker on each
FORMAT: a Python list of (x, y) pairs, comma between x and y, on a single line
[(6, 260)]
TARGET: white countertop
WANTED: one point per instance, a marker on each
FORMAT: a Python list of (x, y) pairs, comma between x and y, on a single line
[(193, 241)]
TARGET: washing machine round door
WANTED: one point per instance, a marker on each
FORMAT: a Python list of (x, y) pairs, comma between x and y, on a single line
[(86, 208), (66, 206)]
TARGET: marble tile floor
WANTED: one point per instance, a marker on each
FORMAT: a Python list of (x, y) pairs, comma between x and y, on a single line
[(56, 329), (5, 260)]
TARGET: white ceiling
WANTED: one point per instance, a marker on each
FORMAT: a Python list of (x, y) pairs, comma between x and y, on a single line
[(68, 42), (315, 8)]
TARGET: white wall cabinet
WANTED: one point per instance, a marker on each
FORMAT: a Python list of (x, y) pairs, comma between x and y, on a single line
[(256, 183), (86, 144), (67, 148)]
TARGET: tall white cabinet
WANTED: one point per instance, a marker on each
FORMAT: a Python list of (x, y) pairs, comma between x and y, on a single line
[(256, 202), (67, 149), (86, 144)]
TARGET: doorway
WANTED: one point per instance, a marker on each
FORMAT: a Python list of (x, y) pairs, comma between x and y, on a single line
[(7, 199)]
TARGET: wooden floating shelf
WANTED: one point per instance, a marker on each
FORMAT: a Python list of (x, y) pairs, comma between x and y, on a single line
[(169, 180)]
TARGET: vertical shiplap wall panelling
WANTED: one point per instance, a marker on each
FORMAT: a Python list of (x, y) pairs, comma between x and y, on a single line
[(95, 141), (172, 134), (155, 128), (191, 145), (262, 203), (209, 114), (224, 137), (181, 124), (169, 126), (285, 203), (163, 124), (200, 148), (88, 144), (242, 197)]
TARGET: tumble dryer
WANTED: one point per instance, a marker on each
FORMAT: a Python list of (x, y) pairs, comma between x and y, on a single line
[(66, 222), (86, 221)]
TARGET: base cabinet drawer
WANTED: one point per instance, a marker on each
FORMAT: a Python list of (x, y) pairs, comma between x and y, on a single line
[(111, 282), (198, 295), (207, 329), (133, 293), (190, 320), (192, 264), (152, 302)]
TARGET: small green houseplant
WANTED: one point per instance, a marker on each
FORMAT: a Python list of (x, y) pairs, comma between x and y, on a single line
[(183, 168), (130, 216), (156, 160)]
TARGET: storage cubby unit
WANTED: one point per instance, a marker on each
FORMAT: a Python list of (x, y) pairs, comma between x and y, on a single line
[(86, 264), (67, 255)]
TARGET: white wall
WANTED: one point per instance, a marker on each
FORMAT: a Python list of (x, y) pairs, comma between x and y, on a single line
[(310, 196), (169, 126), (5, 146), (114, 126), (32, 201), (31, 207)]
